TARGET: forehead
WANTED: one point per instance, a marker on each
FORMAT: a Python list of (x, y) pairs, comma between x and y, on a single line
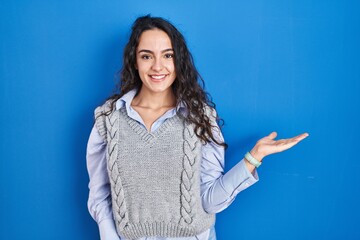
[(154, 39)]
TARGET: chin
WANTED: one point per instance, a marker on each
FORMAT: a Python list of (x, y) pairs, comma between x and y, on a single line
[(157, 87), (160, 90)]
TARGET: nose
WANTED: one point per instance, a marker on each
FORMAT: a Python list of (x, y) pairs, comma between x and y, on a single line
[(157, 65)]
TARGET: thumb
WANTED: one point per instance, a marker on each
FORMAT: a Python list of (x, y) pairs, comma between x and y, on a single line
[(272, 135)]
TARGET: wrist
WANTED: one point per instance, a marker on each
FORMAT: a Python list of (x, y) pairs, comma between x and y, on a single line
[(253, 161), (256, 154), (249, 166)]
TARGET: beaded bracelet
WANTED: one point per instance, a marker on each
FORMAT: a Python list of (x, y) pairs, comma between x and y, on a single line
[(252, 160)]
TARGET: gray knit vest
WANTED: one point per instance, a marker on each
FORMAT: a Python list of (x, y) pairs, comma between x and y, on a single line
[(155, 177)]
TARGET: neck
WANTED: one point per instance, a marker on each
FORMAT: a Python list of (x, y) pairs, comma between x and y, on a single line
[(154, 100)]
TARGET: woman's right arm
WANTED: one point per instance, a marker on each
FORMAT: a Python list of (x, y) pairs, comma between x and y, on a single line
[(99, 202)]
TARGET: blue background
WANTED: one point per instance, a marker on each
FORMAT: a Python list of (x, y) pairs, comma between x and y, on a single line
[(288, 66)]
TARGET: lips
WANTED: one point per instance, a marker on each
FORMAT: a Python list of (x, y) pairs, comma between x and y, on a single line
[(158, 77)]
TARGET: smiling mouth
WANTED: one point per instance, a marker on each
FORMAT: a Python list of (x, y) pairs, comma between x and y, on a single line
[(158, 78)]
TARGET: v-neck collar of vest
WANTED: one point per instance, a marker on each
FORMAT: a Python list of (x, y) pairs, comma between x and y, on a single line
[(144, 133)]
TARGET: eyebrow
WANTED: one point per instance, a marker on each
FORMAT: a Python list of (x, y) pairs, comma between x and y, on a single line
[(148, 51)]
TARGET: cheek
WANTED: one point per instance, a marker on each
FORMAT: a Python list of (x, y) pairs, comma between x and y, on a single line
[(171, 67), (140, 67)]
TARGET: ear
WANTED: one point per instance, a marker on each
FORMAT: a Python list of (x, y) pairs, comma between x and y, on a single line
[(136, 67)]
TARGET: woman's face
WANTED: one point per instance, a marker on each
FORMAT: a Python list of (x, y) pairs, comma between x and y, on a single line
[(155, 61)]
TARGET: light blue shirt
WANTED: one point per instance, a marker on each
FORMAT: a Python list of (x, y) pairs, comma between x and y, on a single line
[(218, 190)]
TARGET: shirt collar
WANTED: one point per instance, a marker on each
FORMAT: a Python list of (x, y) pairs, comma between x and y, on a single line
[(126, 99)]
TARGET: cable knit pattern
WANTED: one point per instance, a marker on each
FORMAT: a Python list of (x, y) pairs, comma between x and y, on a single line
[(155, 177), (108, 126), (117, 193), (187, 175), (100, 119)]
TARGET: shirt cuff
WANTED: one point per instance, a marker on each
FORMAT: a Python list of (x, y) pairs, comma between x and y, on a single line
[(107, 230), (238, 179)]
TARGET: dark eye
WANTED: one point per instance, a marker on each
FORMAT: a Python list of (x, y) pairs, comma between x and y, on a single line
[(146, 57), (169, 55)]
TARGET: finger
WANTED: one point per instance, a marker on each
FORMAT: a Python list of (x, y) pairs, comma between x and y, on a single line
[(301, 137), (285, 144), (297, 138), (272, 135)]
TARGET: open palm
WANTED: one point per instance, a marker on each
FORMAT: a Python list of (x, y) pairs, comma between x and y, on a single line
[(268, 145)]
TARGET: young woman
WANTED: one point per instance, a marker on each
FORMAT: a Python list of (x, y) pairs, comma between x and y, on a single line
[(155, 155)]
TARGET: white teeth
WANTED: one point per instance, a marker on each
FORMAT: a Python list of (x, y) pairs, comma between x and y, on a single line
[(158, 76)]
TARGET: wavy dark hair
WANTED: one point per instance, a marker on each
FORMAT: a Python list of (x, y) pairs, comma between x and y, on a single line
[(188, 86)]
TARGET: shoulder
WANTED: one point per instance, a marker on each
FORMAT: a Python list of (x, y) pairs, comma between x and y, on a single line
[(100, 114), (206, 112), (103, 109), (211, 113)]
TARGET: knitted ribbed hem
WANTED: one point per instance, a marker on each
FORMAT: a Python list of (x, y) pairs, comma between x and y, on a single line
[(159, 229)]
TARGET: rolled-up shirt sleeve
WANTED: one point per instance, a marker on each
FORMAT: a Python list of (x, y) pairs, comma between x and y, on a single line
[(218, 190), (99, 201)]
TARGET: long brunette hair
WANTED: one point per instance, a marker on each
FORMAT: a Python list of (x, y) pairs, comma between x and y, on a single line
[(188, 86)]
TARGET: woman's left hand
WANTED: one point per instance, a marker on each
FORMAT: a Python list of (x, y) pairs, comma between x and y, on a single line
[(268, 145)]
